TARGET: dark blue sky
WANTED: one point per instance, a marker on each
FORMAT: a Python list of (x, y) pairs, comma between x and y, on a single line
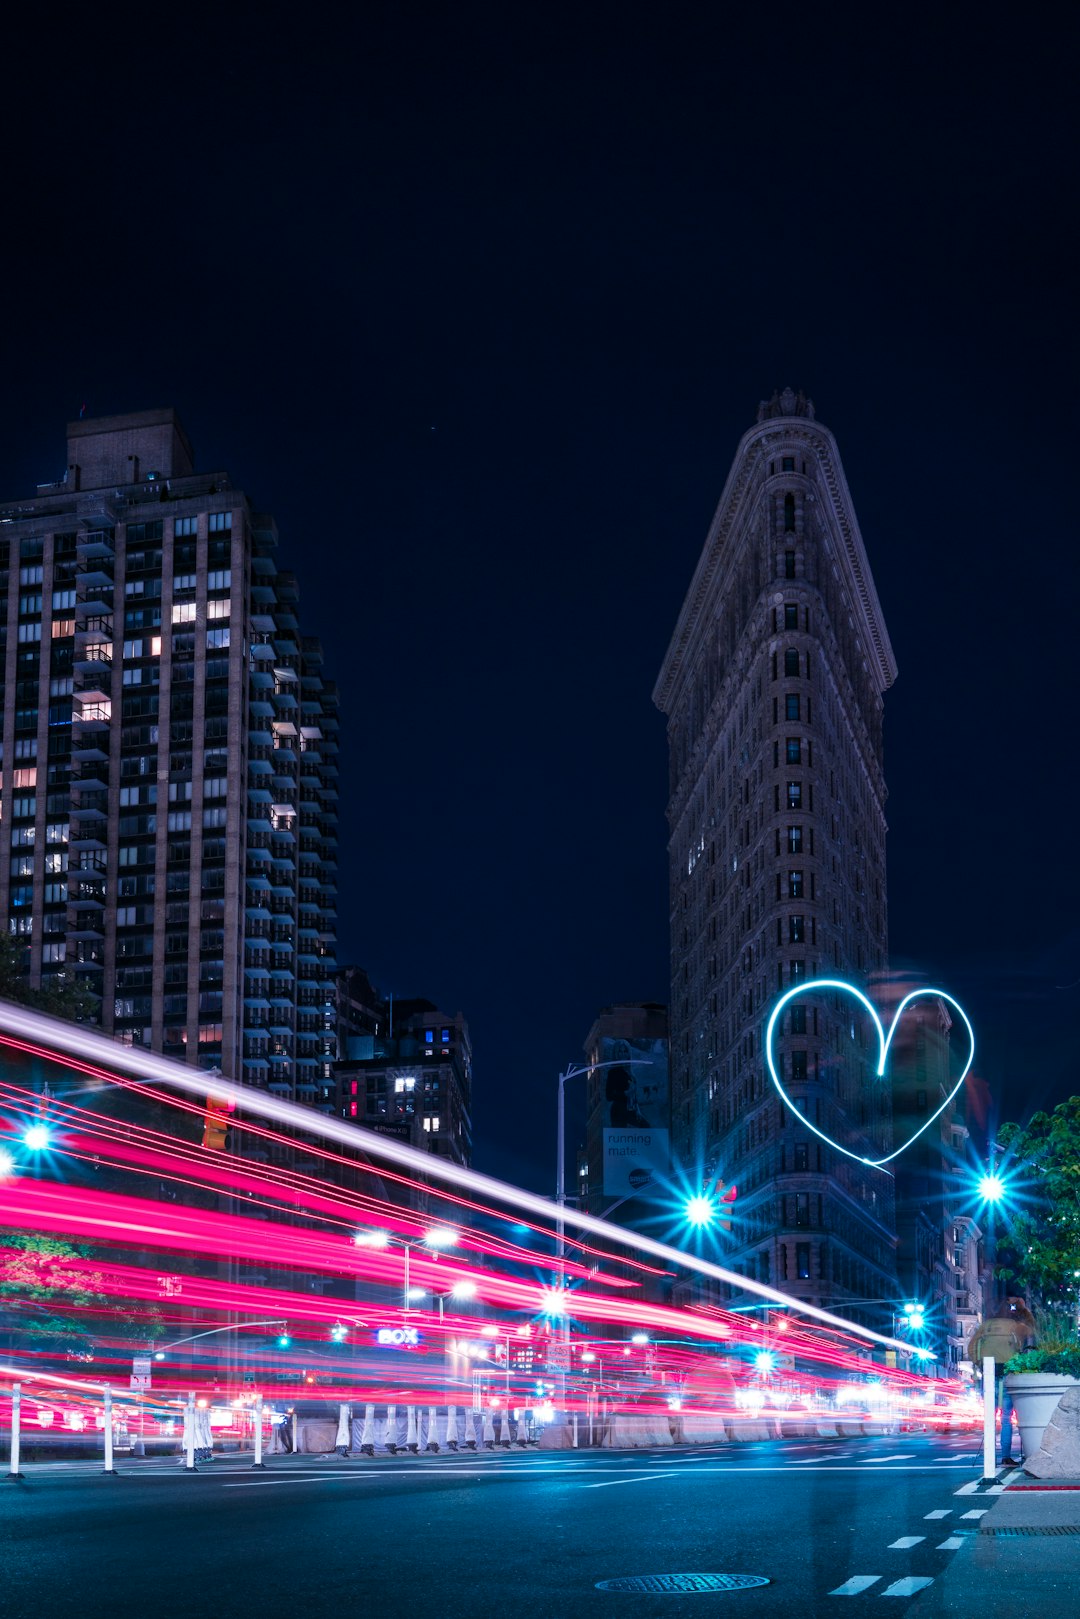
[(479, 303)]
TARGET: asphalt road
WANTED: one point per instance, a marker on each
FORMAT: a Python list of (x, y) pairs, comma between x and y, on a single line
[(832, 1526)]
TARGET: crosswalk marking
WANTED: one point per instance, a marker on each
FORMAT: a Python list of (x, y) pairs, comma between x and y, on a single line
[(905, 1542), (976, 1512), (857, 1583), (940, 1512), (908, 1586), (951, 1544)]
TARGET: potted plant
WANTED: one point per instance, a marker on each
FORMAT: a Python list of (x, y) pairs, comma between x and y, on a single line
[(1037, 1378)]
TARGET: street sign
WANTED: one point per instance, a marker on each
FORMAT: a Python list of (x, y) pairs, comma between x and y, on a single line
[(558, 1357), (140, 1372)]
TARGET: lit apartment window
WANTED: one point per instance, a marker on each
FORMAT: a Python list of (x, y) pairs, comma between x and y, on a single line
[(794, 795), (431, 1121), (183, 613), (794, 840), (795, 885)]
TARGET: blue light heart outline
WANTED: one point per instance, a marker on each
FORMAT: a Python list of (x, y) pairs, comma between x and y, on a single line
[(884, 1042)]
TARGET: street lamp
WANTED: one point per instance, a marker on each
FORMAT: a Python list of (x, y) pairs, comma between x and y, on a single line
[(699, 1211), (436, 1238), (37, 1138)]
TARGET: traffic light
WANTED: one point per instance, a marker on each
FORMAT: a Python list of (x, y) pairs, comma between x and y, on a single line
[(216, 1123)]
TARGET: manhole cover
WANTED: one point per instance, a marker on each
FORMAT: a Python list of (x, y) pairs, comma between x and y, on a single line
[(679, 1584)]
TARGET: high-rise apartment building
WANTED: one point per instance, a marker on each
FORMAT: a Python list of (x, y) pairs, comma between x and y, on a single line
[(169, 745), (773, 687)]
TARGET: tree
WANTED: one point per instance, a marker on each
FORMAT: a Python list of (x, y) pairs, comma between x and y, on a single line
[(1042, 1217), (64, 998)]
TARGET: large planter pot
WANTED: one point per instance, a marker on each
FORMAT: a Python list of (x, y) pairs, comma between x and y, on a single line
[(1035, 1396)]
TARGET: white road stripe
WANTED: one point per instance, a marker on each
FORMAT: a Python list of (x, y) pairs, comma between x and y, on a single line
[(857, 1583), (907, 1587), (951, 1544), (967, 1489), (942, 1512), (976, 1512), (875, 1461), (905, 1543)]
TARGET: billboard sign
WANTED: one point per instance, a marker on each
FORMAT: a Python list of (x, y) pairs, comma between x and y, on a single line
[(636, 1114)]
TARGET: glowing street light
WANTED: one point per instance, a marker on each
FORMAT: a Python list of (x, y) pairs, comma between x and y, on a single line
[(37, 1138), (338, 1333), (914, 1316), (441, 1236), (639, 1338), (764, 1362), (7, 1164), (699, 1211), (463, 1289), (991, 1188), (553, 1301), (284, 1341), (372, 1239)]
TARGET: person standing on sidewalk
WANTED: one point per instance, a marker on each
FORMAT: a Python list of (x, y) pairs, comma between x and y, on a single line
[(1004, 1334)]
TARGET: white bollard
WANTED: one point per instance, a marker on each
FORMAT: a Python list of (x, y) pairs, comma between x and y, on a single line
[(432, 1428), (522, 1428), (451, 1427), (367, 1432), (343, 1437), (108, 1468), (412, 1435), (391, 1429), (258, 1462), (989, 1403), (16, 1417), (295, 1436), (189, 1434), (487, 1429)]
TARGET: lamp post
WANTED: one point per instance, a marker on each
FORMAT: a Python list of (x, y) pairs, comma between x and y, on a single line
[(435, 1239)]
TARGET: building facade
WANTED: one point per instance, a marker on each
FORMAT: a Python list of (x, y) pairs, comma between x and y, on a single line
[(407, 1071), (169, 745), (773, 689)]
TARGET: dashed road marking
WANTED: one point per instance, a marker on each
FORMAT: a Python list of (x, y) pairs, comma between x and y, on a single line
[(941, 1512), (976, 1512), (905, 1543), (951, 1545), (908, 1586), (856, 1584)]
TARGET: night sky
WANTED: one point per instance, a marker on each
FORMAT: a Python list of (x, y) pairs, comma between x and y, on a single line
[(479, 301)]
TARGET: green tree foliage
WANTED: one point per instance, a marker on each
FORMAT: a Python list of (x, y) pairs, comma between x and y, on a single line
[(48, 1300), (1041, 1216), (64, 998)]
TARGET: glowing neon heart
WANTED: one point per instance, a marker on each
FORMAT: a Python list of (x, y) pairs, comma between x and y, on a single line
[(884, 1042)]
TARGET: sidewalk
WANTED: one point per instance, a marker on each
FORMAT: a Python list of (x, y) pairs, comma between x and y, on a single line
[(1025, 1557)]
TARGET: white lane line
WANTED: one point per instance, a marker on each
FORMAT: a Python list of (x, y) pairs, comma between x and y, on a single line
[(857, 1583), (907, 1587), (905, 1543), (647, 1478), (977, 1512), (951, 1544), (875, 1461), (942, 1512)]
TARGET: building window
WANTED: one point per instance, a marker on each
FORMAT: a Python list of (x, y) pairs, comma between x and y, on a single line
[(796, 930), (183, 613), (920, 1101), (795, 885), (791, 706), (799, 1062), (802, 1261), (789, 564), (791, 616), (794, 840), (794, 751), (787, 463), (791, 661), (802, 1158), (798, 1020), (794, 795), (220, 522), (789, 514)]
